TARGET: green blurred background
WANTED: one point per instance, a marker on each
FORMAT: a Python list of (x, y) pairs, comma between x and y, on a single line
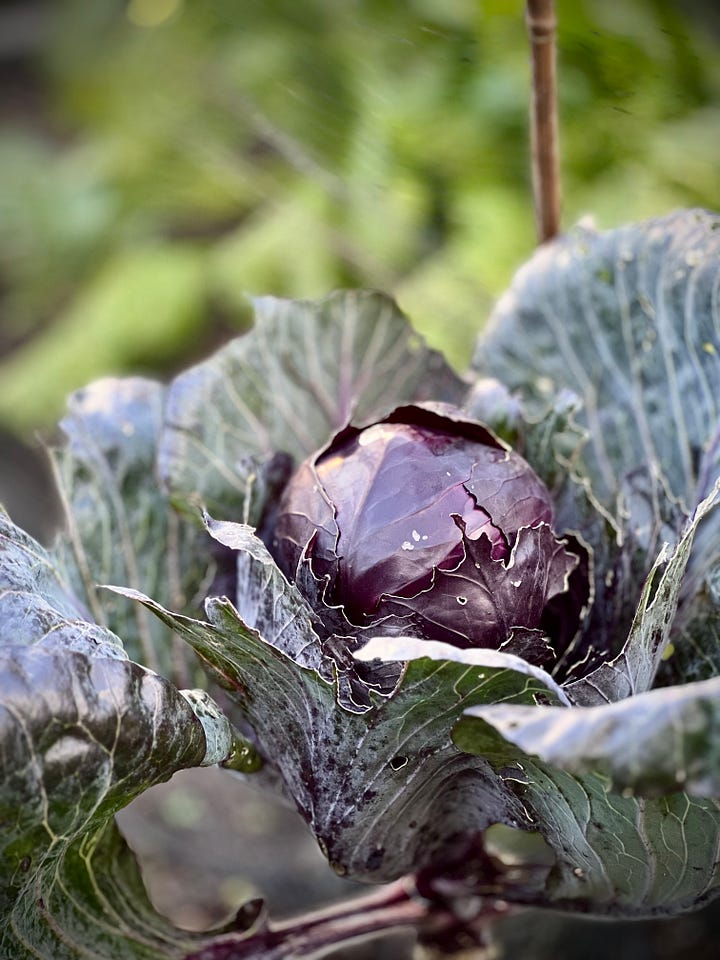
[(163, 160)]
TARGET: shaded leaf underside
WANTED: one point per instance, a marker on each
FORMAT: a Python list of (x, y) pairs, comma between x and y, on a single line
[(658, 742), (634, 669), (80, 738), (616, 854)]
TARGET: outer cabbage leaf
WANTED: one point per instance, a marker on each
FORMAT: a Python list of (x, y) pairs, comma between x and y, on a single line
[(629, 321), (120, 526), (617, 854), (83, 730), (673, 743), (286, 387), (36, 605), (383, 791)]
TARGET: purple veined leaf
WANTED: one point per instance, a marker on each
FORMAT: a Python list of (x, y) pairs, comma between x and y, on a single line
[(641, 350)]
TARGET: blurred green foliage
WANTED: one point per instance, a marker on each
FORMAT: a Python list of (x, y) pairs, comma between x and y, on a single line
[(161, 160)]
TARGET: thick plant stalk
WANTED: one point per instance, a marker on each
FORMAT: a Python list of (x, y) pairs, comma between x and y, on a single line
[(393, 908), (541, 24)]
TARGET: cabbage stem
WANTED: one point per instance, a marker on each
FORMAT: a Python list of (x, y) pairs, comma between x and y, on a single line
[(396, 907)]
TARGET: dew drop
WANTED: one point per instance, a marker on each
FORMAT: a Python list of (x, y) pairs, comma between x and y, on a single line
[(407, 545), (545, 385), (462, 601)]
